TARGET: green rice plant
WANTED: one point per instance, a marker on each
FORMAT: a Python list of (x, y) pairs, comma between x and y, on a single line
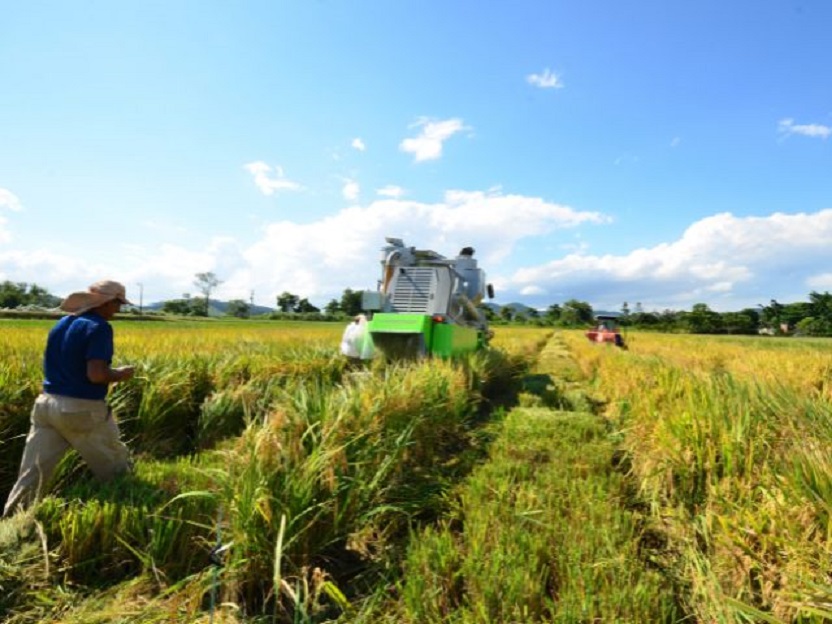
[(337, 474), (20, 383), (159, 408), (225, 413), (536, 536), (154, 521)]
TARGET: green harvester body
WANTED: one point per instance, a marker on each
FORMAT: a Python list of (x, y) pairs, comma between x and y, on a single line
[(422, 334)]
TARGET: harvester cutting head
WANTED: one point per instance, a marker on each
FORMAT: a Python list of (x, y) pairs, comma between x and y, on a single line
[(427, 304)]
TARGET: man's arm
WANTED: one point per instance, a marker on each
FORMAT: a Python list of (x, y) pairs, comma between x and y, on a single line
[(100, 372)]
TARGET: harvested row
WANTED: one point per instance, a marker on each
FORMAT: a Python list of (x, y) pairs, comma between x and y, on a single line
[(540, 532)]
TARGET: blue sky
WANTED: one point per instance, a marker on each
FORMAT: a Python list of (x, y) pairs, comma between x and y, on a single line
[(654, 152)]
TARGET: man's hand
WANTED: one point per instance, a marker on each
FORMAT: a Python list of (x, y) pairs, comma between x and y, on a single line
[(124, 372), (99, 371)]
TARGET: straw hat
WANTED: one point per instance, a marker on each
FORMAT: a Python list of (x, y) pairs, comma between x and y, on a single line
[(96, 295)]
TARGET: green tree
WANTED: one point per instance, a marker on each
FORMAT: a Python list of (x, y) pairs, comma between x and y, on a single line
[(793, 313), (576, 313), (770, 315), (703, 320), (286, 301), (820, 305), (351, 303), (238, 308), (206, 283), (817, 317), (553, 313), (739, 323), (333, 307), (184, 307), (15, 295), (12, 295), (752, 313), (644, 319), (303, 306), (670, 320)]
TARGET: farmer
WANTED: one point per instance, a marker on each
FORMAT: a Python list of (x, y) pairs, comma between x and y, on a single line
[(72, 410)]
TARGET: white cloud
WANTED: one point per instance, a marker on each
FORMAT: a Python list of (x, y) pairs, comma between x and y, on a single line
[(428, 145), (358, 144), (9, 200), (726, 261), (350, 190), (820, 282), (788, 127), (318, 260), (270, 179), (5, 234), (391, 191), (547, 80), (58, 273), (722, 258)]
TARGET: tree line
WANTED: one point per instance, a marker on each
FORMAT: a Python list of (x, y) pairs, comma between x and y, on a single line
[(15, 295), (810, 318)]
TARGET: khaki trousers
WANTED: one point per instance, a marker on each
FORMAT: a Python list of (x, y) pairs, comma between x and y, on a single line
[(58, 423)]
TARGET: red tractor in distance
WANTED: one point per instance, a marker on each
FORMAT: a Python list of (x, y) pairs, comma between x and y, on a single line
[(606, 330)]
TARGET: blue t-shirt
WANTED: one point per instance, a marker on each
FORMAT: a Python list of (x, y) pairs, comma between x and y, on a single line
[(72, 342)]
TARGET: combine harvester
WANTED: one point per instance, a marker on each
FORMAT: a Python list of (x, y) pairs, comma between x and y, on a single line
[(426, 304), (606, 330)]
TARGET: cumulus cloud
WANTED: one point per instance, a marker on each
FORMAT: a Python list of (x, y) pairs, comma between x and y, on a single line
[(546, 80), (9, 200), (168, 270), (318, 260), (5, 234), (818, 131), (428, 145), (820, 282), (270, 179), (350, 190), (358, 144), (726, 261), (391, 191), (59, 273), (721, 260)]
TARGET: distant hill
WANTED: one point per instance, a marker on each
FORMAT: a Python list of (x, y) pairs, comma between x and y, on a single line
[(217, 308), (521, 308)]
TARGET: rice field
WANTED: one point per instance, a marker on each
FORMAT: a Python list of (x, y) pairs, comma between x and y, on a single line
[(728, 441), (687, 479)]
